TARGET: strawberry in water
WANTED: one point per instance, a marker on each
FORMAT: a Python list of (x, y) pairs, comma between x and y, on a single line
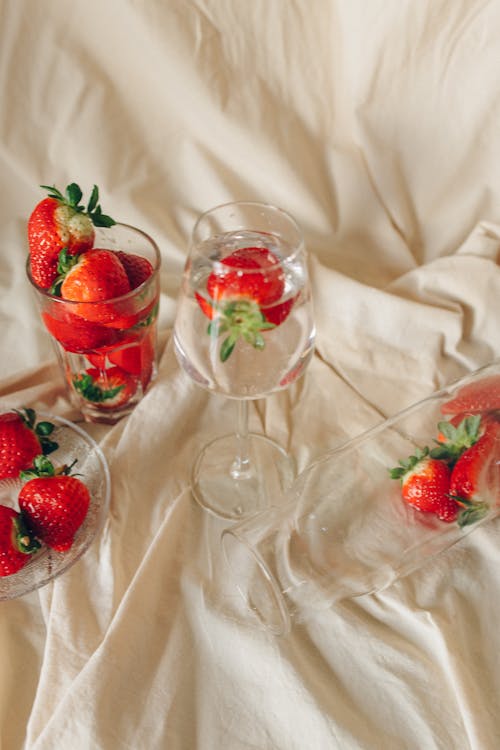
[(17, 543), (109, 388), (74, 333), (137, 268), (21, 440), (91, 277), (135, 354), (58, 222), (53, 503), (477, 474), (137, 358), (476, 397), (243, 298), (425, 484)]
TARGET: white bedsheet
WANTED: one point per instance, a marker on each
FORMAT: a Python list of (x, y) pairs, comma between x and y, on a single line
[(376, 124)]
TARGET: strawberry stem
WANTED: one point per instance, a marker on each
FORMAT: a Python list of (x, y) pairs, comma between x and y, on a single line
[(240, 319), (43, 467), (89, 389), (65, 263), (72, 199), (25, 541)]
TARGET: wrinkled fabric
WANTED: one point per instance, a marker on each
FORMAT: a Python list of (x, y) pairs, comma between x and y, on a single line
[(375, 124)]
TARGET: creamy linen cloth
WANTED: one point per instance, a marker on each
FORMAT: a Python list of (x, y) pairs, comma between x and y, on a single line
[(375, 123)]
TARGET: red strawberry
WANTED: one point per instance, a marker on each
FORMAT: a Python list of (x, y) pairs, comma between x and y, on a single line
[(54, 504), (60, 221), (134, 354), (426, 483), (133, 312), (475, 397), (74, 333), (137, 358), (108, 389), (92, 277), (137, 268), (16, 542), (476, 473), (21, 440), (244, 300)]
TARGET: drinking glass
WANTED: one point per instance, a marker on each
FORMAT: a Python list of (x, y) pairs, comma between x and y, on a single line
[(244, 329), (107, 350), (345, 530)]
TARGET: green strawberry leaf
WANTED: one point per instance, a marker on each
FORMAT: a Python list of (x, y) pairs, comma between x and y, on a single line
[(48, 446), (25, 540), (227, 347), (65, 263), (44, 428), (458, 439), (101, 220), (448, 430), (27, 415), (259, 342), (407, 464), (472, 515), (73, 195), (94, 199), (42, 467), (54, 192), (85, 385)]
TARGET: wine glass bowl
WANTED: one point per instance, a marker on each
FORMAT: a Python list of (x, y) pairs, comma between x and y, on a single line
[(244, 329)]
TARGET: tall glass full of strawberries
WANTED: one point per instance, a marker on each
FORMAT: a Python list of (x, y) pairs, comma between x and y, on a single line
[(244, 329), (97, 287)]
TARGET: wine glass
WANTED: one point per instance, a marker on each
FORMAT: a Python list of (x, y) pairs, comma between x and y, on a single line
[(244, 329)]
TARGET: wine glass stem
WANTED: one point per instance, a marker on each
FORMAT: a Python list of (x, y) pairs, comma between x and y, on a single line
[(241, 467)]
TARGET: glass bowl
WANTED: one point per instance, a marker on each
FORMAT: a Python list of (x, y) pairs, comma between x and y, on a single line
[(91, 467)]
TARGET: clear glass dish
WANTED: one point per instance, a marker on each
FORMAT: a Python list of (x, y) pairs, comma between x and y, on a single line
[(345, 529), (92, 469)]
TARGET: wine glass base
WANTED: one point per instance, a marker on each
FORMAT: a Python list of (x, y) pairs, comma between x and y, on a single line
[(221, 490)]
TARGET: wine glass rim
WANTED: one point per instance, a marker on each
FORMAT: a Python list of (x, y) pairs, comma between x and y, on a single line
[(298, 247), (128, 295)]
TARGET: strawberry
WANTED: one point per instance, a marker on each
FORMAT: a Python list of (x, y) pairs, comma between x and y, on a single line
[(21, 440), (243, 296), (136, 358), (134, 312), (478, 396), (74, 333), (53, 503), (16, 542), (109, 388), (58, 222), (91, 277), (134, 354), (137, 268), (477, 471), (425, 484)]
